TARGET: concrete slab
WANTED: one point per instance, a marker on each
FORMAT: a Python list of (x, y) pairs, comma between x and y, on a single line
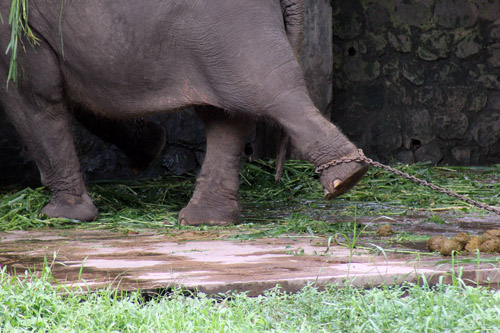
[(199, 260)]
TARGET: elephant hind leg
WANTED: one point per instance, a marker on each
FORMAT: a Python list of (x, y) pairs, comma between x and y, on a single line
[(38, 111), (71, 206), (215, 198)]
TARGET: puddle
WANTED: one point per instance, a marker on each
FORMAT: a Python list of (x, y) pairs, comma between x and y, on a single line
[(318, 209), (411, 229)]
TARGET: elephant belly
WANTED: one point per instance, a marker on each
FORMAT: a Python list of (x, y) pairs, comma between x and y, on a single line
[(131, 98)]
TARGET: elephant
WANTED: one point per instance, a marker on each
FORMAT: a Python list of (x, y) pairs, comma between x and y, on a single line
[(235, 61)]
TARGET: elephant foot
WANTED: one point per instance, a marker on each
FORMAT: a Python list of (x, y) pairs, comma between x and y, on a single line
[(340, 178), (204, 213), (149, 142), (75, 207)]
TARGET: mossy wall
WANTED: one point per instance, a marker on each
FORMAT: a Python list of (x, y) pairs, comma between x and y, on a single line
[(419, 80)]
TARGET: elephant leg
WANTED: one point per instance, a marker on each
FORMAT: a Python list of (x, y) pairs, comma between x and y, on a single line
[(315, 138), (141, 140), (319, 142), (215, 198), (38, 110), (46, 131)]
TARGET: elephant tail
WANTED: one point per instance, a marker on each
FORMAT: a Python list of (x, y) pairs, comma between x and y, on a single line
[(293, 16)]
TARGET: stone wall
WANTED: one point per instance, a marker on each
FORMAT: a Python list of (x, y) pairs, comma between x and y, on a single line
[(419, 80)]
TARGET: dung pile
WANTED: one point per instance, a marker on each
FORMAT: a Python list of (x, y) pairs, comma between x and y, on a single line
[(489, 242)]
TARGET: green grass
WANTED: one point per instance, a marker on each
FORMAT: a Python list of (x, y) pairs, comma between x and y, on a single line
[(38, 303)]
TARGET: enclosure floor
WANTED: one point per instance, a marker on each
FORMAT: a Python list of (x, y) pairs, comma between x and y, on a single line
[(150, 261)]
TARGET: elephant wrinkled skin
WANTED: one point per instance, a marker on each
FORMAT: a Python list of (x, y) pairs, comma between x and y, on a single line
[(234, 60)]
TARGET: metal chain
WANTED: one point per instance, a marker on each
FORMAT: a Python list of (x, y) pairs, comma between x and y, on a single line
[(360, 158), (363, 158)]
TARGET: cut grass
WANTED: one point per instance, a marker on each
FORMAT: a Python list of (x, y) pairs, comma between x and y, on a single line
[(18, 19), (32, 303), (294, 205)]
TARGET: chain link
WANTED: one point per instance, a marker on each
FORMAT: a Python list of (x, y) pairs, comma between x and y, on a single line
[(363, 158)]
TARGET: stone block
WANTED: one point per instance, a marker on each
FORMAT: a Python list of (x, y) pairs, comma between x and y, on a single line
[(431, 96), (455, 97), (400, 41), (16, 166), (391, 70), (414, 13), (484, 77), (417, 128), (461, 154), (455, 13), (450, 125), (377, 44), (357, 70), (179, 160), (477, 101), (399, 96), (495, 31), (447, 74), (386, 137), (468, 47), (486, 128), (429, 153), (434, 45), (414, 72), (346, 22), (494, 52), (405, 157), (487, 9), (377, 17)]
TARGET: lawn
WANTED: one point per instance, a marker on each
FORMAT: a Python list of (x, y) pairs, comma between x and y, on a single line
[(31, 303)]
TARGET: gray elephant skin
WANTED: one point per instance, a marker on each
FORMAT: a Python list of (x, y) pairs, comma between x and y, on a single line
[(235, 61)]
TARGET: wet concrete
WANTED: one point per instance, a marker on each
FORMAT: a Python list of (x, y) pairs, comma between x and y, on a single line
[(203, 261)]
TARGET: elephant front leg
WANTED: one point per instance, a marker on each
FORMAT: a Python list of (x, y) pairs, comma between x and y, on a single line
[(215, 198)]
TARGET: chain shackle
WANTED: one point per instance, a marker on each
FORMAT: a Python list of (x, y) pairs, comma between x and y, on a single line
[(363, 158)]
